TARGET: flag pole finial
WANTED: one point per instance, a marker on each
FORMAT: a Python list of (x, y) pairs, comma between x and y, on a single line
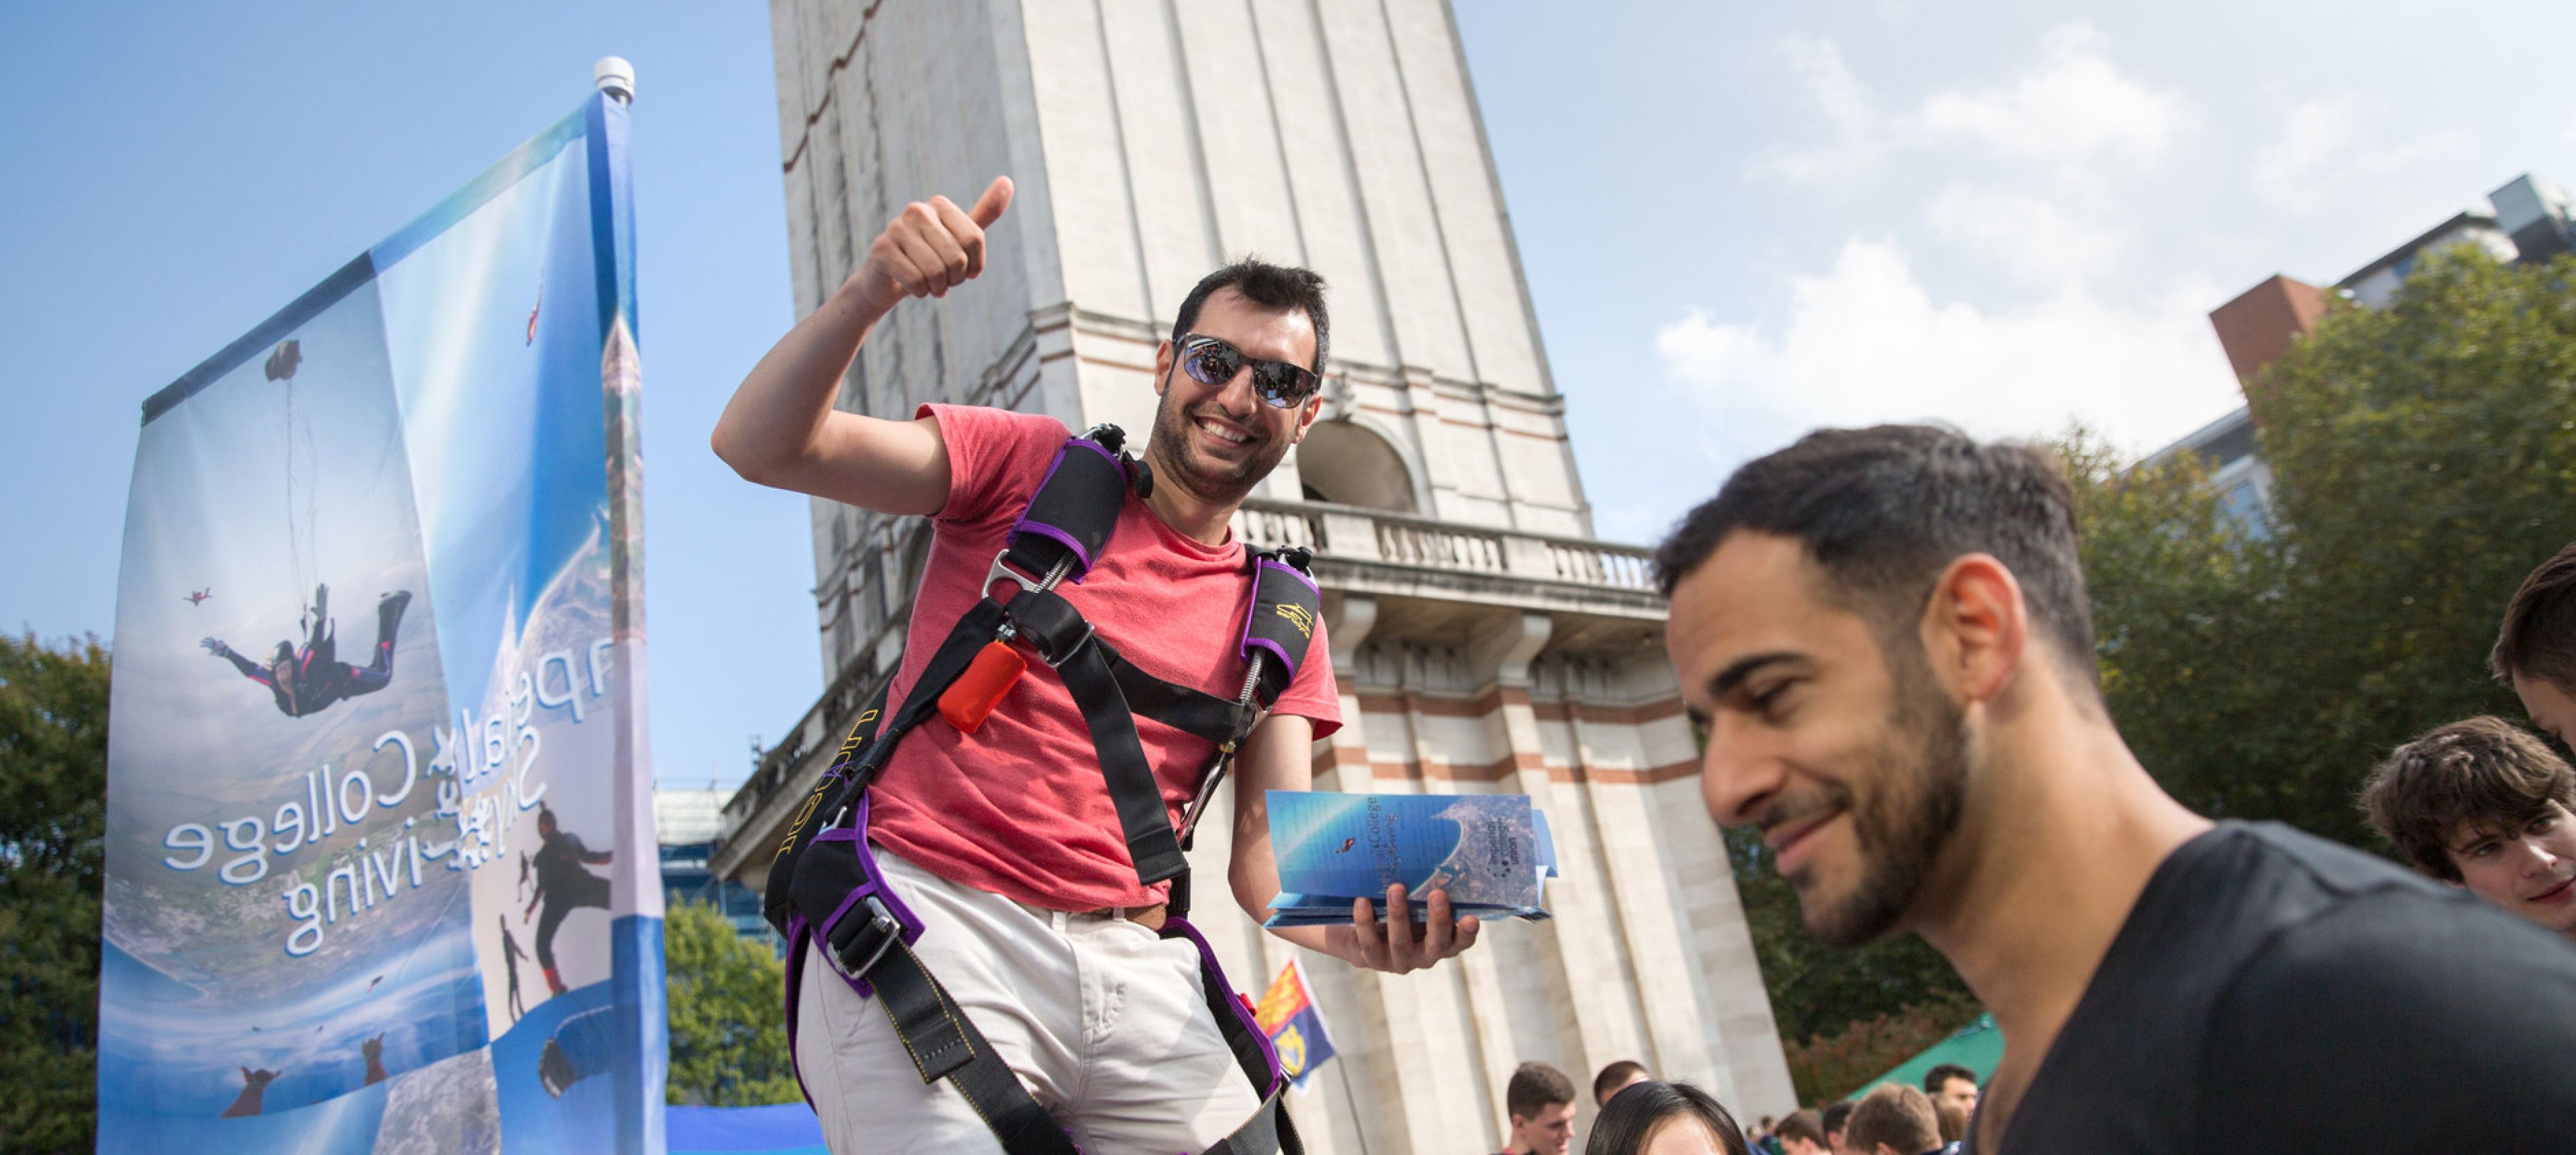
[(614, 76)]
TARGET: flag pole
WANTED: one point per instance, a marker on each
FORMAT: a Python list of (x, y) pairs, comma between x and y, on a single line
[(614, 76)]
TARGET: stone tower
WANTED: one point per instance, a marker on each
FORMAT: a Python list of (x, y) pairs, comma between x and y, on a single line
[(1483, 641)]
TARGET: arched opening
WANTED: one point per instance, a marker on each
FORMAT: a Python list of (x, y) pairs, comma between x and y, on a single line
[(1349, 464)]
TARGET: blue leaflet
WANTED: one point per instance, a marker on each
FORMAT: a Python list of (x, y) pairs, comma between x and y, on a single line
[(1488, 851)]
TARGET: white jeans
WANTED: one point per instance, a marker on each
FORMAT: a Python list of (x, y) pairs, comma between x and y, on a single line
[(1104, 1023)]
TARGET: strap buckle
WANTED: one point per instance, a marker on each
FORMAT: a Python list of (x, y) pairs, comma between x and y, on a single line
[(874, 938), (1001, 570), (1058, 659)]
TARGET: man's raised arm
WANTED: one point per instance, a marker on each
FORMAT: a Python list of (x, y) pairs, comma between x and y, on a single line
[(781, 429)]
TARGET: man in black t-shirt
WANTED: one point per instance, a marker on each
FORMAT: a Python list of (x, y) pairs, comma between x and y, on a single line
[(1886, 635)]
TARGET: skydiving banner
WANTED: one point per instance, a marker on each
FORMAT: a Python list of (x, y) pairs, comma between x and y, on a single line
[(381, 874)]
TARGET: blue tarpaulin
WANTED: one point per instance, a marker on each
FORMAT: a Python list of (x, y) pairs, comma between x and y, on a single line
[(785, 1129)]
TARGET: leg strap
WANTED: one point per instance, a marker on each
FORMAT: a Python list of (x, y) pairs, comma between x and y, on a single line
[(944, 1043)]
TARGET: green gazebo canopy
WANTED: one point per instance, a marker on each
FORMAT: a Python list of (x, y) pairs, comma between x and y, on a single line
[(1977, 1046)]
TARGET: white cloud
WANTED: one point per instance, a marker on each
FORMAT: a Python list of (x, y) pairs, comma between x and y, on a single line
[(2327, 142), (2076, 108), (2073, 112), (1865, 342), (1854, 130), (2034, 239)]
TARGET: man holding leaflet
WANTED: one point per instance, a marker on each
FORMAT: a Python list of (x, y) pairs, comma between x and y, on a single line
[(997, 832)]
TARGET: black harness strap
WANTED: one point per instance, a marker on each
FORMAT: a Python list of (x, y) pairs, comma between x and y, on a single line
[(1059, 634), (945, 1045)]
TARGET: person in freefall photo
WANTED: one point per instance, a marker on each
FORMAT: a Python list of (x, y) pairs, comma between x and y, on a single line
[(1006, 842), (305, 680), (1886, 634)]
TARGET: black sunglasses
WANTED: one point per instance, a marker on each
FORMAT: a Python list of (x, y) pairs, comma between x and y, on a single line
[(1280, 385)]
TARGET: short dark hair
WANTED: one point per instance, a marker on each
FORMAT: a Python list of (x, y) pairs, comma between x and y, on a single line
[(1269, 286), (1615, 1075), (2483, 773), (1836, 1116), (1535, 1087), (1802, 1125), (2539, 635), (1631, 1116), (1940, 1076), (1885, 509), (1894, 1114)]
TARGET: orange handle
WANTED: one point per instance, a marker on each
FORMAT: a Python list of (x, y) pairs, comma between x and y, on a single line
[(971, 698)]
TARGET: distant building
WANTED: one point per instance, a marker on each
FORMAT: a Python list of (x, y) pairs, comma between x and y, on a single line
[(1484, 641), (687, 823), (2527, 220)]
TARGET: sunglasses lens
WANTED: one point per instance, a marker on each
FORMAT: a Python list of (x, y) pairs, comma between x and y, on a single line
[(1213, 363), (1282, 385)]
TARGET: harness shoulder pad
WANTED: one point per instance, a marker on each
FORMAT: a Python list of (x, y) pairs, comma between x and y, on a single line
[(1285, 607), (1076, 507)]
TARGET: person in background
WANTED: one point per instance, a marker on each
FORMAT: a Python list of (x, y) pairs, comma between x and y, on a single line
[(1656, 1118), (1954, 1123), (1833, 1119), (1615, 1078), (1760, 1137), (2535, 651), (1802, 1133), (1952, 1083), (1541, 1102), (2481, 804), (1893, 1119)]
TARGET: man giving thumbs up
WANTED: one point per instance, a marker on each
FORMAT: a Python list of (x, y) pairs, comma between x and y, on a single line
[(1003, 839)]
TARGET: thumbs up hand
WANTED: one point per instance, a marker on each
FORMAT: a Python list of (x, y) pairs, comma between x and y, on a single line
[(930, 247)]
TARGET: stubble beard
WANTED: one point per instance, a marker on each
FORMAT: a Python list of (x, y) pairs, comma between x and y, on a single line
[(1918, 787), (1173, 464)]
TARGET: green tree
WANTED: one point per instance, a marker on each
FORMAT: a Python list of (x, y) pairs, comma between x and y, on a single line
[(2424, 460), (2425, 456), (728, 1041), (53, 795)]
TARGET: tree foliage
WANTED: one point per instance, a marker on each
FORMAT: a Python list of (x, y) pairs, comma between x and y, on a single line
[(2423, 459), (53, 809), (728, 1040)]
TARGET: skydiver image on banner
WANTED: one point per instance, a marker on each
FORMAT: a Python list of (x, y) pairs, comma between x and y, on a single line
[(306, 680), (316, 914)]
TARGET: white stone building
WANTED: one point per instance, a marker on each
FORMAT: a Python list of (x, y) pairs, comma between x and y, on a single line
[(1483, 641)]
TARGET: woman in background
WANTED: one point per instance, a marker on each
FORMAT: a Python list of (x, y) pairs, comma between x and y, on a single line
[(1656, 1118)]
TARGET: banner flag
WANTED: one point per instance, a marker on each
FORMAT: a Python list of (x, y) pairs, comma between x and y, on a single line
[(1288, 1014), (381, 874)]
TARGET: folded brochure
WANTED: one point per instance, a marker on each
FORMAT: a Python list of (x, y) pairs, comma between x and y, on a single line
[(1490, 852)]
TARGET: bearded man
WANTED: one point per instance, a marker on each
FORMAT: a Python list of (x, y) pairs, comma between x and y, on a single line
[(1886, 635)]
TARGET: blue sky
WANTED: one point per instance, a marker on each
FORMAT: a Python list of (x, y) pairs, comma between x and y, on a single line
[(1737, 221)]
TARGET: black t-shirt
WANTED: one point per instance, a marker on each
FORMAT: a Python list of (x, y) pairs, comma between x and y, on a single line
[(2274, 992)]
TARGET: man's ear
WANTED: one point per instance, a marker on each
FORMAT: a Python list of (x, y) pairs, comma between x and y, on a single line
[(1975, 628), (1163, 367), (1313, 408)]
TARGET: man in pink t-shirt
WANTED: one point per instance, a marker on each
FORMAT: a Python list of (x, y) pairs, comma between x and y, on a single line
[(1004, 841)]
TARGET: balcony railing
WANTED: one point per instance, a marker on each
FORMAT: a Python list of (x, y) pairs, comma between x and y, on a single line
[(1355, 534)]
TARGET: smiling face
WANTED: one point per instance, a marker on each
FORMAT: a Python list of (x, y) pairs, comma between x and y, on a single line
[(1844, 752), (1218, 441), (2530, 871)]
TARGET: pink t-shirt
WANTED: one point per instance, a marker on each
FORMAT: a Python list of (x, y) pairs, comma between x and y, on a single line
[(1019, 808)]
